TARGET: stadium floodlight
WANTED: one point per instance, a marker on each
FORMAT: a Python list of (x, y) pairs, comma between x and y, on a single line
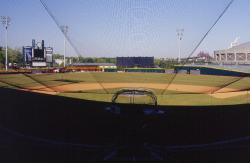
[(6, 22), (180, 37), (64, 29)]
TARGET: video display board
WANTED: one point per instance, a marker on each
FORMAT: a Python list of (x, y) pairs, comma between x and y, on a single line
[(27, 54), (38, 55)]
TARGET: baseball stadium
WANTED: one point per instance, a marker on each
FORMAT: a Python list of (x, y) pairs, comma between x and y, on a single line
[(136, 108)]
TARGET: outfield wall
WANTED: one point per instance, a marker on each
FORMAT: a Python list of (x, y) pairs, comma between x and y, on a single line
[(212, 71), (144, 70)]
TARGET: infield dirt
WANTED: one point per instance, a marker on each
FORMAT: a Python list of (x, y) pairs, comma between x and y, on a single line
[(222, 93)]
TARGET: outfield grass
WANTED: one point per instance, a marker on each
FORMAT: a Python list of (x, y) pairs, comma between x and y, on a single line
[(54, 79), (168, 98)]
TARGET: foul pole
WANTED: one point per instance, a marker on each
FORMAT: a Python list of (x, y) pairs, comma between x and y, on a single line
[(180, 36), (65, 29), (6, 22)]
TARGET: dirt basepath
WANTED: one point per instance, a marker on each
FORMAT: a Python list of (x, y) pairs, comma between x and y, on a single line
[(96, 86)]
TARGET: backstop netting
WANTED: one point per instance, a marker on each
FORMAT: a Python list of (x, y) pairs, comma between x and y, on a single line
[(135, 96)]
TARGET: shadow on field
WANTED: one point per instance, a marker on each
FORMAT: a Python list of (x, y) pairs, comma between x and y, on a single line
[(43, 128)]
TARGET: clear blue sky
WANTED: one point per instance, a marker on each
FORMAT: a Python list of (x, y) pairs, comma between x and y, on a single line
[(127, 27)]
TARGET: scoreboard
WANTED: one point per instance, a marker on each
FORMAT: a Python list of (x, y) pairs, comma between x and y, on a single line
[(37, 55)]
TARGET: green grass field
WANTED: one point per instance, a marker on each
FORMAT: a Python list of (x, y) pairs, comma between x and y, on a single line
[(169, 97)]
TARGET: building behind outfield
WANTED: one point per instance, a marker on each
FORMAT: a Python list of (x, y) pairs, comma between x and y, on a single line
[(234, 61), (237, 55), (130, 62), (91, 66)]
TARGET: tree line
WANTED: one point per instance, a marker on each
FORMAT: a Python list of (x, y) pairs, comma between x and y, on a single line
[(14, 56)]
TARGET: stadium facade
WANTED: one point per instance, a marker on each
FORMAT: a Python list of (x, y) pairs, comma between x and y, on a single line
[(239, 54), (234, 61)]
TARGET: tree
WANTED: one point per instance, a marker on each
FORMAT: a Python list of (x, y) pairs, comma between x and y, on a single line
[(89, 60), (2, 59), (15, 56), (205, 55), (57, 56), (165, 63)]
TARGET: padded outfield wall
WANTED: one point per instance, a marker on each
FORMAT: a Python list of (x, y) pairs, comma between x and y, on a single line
[(205, 70), (144, 70)]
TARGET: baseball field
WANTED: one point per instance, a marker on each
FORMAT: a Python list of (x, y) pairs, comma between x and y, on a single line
[(181, 89)]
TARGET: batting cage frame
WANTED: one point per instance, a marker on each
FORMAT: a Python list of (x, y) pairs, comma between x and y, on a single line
[(134, 92)]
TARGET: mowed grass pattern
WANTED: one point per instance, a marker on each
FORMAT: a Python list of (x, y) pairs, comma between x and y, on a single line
[(27, 81), (54, 79)]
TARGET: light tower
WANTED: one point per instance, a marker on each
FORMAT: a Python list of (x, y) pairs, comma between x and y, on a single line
[(64, 29), (6, 22), (180, 36)]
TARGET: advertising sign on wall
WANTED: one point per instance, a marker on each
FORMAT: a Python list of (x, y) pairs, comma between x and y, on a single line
[(39, 64), (49, 54)]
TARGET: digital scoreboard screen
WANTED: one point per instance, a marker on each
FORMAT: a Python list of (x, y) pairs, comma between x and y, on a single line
[(38, 53)]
